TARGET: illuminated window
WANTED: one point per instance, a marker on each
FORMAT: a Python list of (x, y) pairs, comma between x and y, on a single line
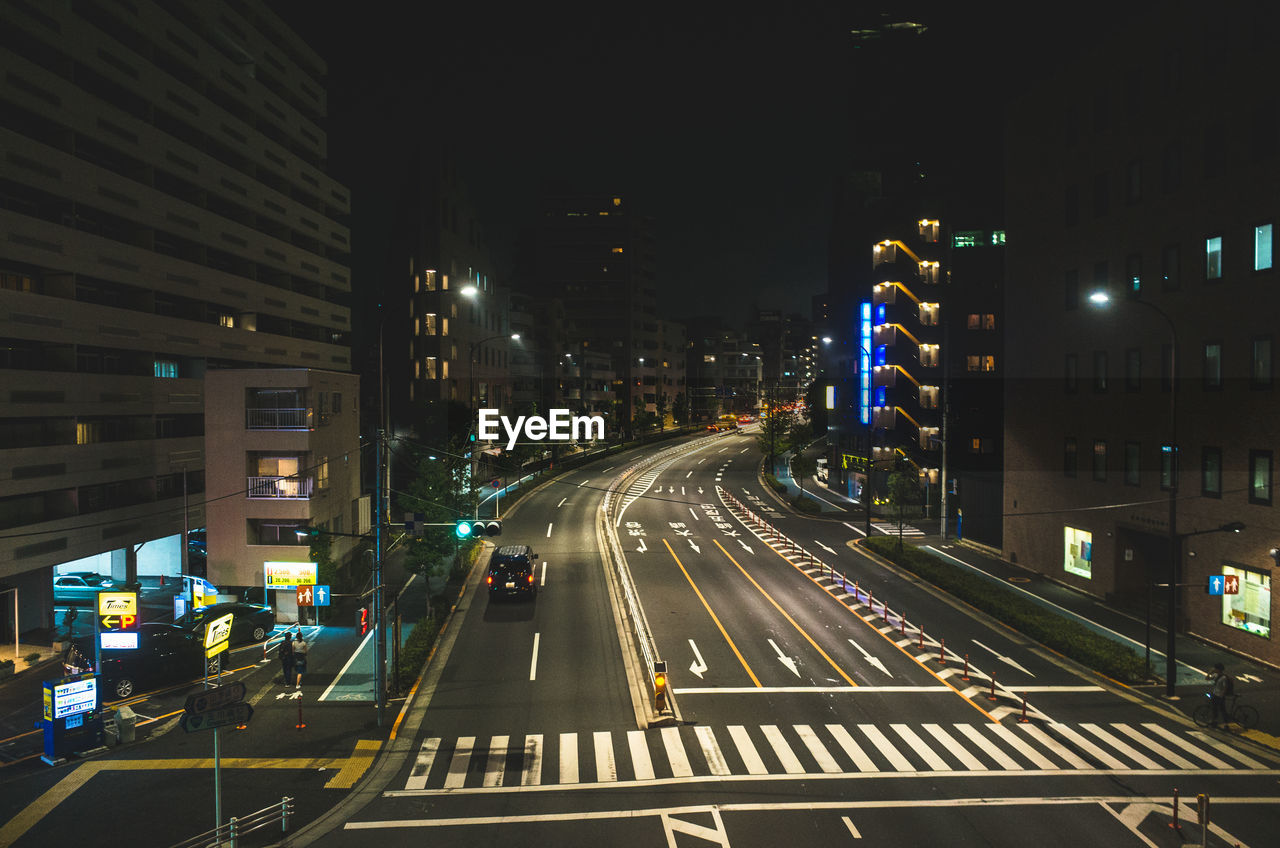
[(989, 321), (226, 320), (1262, 247), (1250, 608), (1099, 460), (1168, 466), (997, 238), (1213, 258), (972, 363), (616, 250), (88, 432), (433, 368), (1260, 477), (988, 363), (975, 445), (1211, 472), (166, 368), (1133, 273), (1213, 365), (966, 238), (1077, 552), (974, 321)]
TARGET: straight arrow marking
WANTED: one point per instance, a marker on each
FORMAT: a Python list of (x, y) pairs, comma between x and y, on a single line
[(1002, 657), (746, 547), (696, 549), (875, 661), (784, 659), (824, 547), (699, 665)]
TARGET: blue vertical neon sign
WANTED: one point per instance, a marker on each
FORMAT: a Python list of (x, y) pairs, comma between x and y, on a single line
[(864, 362)]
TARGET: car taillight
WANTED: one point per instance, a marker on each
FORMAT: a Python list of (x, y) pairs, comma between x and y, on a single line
[(530, 578), (489, 579)]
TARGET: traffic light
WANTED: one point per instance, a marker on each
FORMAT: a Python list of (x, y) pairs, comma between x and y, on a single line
[(465, 528), (660, 686)]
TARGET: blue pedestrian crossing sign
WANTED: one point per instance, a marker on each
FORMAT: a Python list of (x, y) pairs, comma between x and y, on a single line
[(321, 596), (1217, 583)]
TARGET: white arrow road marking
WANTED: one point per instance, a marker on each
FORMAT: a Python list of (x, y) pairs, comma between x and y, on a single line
[(784, 659), (699, 665), (1002, 657), (643, 547), (824, 547), (1251, 678), (671, 489), (746, 546), (699, 490), (696, 549), (873, 660)]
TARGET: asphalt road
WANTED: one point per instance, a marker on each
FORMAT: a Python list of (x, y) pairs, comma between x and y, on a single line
[(807, 713)]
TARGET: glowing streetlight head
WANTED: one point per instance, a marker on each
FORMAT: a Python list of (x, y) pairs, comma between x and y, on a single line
[(469, 291), (1099, 298)]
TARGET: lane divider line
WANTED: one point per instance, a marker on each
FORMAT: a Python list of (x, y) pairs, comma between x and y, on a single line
[(711, 613)]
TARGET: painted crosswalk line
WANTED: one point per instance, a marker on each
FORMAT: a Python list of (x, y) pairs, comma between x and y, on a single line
[(697, 753)]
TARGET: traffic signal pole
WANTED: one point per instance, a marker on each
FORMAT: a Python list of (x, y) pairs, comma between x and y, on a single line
[(379, 614)]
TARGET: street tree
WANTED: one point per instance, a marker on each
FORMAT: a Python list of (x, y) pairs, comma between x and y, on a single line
[(904, 491)]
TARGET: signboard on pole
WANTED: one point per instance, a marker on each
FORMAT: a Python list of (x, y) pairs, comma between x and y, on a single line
[(1230, 584), (288, 575), (234, 714), (199, 703), (217, 635), (320, 596), (306, 596), (1216, 584)]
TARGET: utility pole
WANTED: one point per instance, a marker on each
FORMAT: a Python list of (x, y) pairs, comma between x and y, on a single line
[(379, 615)]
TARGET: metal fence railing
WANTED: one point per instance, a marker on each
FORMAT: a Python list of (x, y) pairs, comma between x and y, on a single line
[(278, 487), (230, 833), (277, 419)]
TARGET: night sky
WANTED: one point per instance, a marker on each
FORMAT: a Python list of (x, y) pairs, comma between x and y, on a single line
[(730, 129)]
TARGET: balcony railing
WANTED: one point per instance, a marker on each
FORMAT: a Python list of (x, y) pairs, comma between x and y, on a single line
[(291, 488), (278, 419)]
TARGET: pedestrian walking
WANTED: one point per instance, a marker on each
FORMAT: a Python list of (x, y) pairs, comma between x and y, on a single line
[(287, 659), (1223, 687), (69, 621), (299, 657)]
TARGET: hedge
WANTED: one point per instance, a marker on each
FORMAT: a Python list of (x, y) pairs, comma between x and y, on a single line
[(1067, 637)]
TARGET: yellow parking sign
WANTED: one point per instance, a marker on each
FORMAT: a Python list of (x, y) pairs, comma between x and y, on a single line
[(217, 635)]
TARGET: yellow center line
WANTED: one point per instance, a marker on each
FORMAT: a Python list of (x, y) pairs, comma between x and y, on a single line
[(723, 633), (798, 628), (885, 636)]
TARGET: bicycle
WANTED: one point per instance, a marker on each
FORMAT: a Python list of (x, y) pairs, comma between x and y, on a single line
[(1245, 715)]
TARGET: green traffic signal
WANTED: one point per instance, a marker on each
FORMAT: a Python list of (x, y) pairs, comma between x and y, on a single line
[(462, 529)]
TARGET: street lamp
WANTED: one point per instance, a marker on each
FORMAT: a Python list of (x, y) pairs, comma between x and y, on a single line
[(1103, 299)]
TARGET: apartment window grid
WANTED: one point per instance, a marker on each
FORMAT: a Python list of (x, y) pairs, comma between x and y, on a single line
[(1262, 244), (1168, 466), (1261, 369), (1213, 258), (1260, 466), (1099, 371), (1170, 261), (1070, 457), (1100, 460), (1133, 463), (1211, 472), (1213, 366), (1133, 273)]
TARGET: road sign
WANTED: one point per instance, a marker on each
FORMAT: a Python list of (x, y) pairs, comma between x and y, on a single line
[(118, 603), (321, 596), (233, 714), (306, 596), (199, 703), (1230, 584), (119, 622), (1216, 584), (217, 635), (495, 483)]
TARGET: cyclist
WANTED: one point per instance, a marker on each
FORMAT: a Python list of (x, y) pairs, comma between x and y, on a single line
[(1223, 686)]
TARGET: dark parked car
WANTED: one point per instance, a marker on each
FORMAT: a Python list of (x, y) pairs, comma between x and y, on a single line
[(511, 572), (252, 622), (165, 655), (80, 587)]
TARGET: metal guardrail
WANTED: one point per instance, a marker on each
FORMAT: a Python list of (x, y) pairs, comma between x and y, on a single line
[(292, 488), (261, 418), (228, 833)]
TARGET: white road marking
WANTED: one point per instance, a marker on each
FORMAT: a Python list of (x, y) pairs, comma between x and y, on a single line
[(422, 765), (690, 474), (1137, 757), (812, 690), (860, 759), (496, 763), (533, 664), (548, 531), (544, 572), (1088, 747), (1064, 753), (954, 748), (695, 515), (457, 775), (790, 762), (531, 774), (1005, 735), (853, 831), (680, 766), (1002, 657), (854, 529), (917, 744), (606, 766), (821, 755), (885, 747), (568, 758), (640, 755), (583, 483), (784, 659), (699, 664), (1177, 760), (1002, 759), (1186, 746), (711, 750), (562, 500), (747, 750)]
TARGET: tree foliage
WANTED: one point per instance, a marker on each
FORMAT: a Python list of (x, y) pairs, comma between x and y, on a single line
[(904, 491), (440, 490)]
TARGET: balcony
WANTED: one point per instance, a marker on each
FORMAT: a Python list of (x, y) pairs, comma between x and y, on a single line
[(278, 419), (287, 488)]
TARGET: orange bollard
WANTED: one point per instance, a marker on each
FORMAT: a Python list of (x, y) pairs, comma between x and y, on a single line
[(1023, 718), (921, 648), (965, 676), (992, 696), (1175, 824), (942, 652), (902, 622)]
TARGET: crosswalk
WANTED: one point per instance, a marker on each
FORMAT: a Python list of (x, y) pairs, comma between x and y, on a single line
[(701, 752), (890, 528)]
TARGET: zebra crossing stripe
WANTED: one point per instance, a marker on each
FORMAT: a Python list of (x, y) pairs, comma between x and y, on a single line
[(922, 750), (885, 747), (820, 754), (955, 749), (1005, 735), (1129, 752), (1085, 745), (711, 750), (747, 750), (855, 753), (606, 766), (1002, 759), (496, 762), (790, 762), (1227, 750), (1213, 761), (531, 774), (568, 758), (675, 752), (1176, 759), (422, 765), (1068, 756), (640, 755), (460, 763)]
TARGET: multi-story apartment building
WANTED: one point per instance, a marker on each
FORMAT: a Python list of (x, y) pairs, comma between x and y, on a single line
[(724, 372), (165, 212), (1138, 430), (596, 255)]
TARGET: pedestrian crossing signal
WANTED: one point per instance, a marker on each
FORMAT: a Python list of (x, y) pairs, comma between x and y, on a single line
[(465, 528)]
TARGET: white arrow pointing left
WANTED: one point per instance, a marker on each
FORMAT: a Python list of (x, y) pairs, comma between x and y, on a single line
[(824, 547), (699, 665), (643, 547), (784, 659), (873, 660)]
